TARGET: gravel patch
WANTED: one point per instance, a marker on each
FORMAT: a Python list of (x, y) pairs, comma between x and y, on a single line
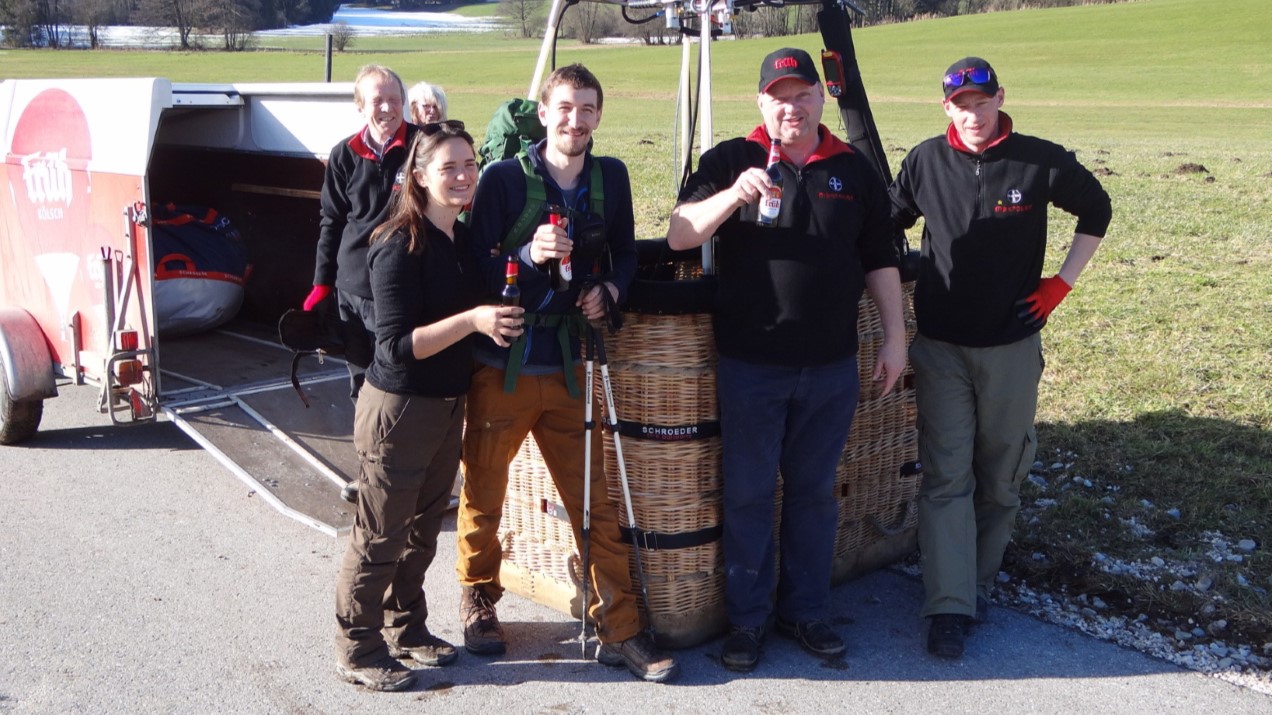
[(1203, 650)]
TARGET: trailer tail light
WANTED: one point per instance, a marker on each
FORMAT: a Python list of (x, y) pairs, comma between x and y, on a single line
[(128, 372), (127, 340)]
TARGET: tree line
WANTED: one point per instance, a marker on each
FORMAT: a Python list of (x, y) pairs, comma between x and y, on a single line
[(67, 23), (590, 22), (77, 23)]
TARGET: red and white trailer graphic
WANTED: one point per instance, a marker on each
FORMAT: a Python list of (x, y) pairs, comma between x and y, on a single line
[(83, 162)]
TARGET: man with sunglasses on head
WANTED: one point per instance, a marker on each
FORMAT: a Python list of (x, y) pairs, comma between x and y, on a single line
[(533, 387), (785, 325), (980, 302)]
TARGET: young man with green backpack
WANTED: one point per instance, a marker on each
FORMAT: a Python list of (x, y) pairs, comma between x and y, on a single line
[(554, 201)]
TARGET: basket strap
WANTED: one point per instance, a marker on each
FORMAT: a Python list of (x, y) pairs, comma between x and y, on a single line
[(652, 540), (667, 433)]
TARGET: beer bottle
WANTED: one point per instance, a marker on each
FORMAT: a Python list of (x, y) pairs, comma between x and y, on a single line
[(560, 270), (511, 294), (771, 202)]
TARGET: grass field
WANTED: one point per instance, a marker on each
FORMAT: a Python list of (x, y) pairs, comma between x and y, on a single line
[(1156, 407)]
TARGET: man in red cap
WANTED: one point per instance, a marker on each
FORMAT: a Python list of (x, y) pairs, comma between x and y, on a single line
[(980, 303), (789, 280)]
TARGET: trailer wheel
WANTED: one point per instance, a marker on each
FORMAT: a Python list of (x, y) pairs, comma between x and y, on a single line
[(18, 420)]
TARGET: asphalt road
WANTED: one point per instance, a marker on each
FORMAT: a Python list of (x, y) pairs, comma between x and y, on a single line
[(138, 576)]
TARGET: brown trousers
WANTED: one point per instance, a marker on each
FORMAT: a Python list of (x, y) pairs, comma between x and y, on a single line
[(408, 447), (498, 423)]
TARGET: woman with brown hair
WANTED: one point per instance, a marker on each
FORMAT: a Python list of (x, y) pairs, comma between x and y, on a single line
[(409, 417)]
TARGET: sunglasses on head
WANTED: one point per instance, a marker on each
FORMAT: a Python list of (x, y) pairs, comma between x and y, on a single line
[(450, 126), (977, 75)]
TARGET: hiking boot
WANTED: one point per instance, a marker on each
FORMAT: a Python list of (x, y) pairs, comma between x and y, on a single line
[(982, 611), (946, 635), (385, 674), (641, 657), (816, 637), (433, 651), (482, 633), (741, 650), (349, 492)]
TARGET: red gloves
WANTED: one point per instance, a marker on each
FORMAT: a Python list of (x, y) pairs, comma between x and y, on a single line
[(316, 296), (1035, 309)]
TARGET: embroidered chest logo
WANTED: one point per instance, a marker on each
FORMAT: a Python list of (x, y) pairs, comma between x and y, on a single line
[(399, 180), (1012, 204), (836, 186)]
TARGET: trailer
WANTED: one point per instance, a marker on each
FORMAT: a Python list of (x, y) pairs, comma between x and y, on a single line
[(86, 163)]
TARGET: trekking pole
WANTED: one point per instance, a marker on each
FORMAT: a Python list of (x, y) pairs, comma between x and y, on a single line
[(595, 334), (586, 529)]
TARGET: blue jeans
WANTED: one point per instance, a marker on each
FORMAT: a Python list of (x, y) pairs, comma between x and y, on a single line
[(795, 419)]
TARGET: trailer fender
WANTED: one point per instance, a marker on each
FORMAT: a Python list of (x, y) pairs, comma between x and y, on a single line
[(24, 355)]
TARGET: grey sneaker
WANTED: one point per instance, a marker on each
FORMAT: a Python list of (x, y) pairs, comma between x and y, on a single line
[(385, 674), (641, 657), (816, 637), (482, 633), (741, 650), (432, 651)]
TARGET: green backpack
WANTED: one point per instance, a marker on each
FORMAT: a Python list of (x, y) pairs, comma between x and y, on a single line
[(513, 127)]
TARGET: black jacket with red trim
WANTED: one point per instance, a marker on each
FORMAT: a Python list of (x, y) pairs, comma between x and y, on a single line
[(985, 228), (788, 294), (355, 197)]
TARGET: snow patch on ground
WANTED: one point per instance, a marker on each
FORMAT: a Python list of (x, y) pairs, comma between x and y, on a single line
[(366, 22)]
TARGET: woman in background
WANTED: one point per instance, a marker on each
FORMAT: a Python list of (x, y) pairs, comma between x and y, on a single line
[(428, 104)]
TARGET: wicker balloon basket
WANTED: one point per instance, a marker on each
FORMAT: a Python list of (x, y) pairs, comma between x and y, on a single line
[(662, 370)]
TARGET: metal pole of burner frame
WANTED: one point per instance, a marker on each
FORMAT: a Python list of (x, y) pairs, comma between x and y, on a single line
[(545, 49), (328, 53), (706, 141)]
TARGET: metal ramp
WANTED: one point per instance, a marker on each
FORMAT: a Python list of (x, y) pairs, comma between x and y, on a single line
[(230, 390)]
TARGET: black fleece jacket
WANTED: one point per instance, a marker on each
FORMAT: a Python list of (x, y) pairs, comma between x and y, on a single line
[(356, 190), (413, 289), (788, 294), (985, 228)]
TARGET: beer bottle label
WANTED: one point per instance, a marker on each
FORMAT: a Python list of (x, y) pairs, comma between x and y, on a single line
[(770, 207), (771, 202)]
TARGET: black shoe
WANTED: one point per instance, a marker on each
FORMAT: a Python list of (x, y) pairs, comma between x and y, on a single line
[(946, 635), (431, 651), (350, 492), (816, 637), (741, 650), (982, 611)]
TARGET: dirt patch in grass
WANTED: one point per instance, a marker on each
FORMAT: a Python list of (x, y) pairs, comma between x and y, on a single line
[(1191, 168)]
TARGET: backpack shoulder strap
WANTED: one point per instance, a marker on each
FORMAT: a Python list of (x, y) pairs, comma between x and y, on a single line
[(536, 197), (596, 190)]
